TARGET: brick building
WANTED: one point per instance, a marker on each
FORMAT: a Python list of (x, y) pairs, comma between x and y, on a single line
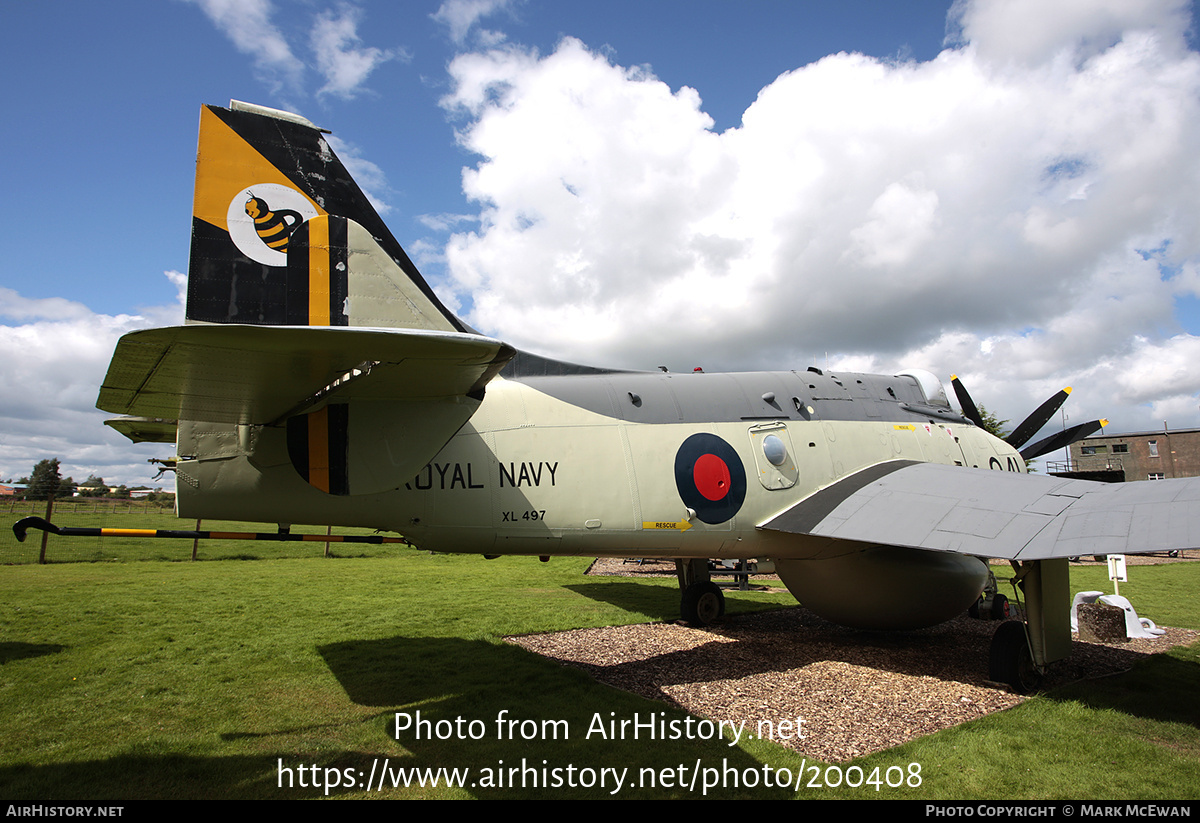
[(1152, 455)]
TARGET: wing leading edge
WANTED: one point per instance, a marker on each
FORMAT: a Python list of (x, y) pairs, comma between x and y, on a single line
[(998, 514)]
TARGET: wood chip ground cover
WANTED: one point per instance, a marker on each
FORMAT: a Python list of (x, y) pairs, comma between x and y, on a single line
[(857, 692)]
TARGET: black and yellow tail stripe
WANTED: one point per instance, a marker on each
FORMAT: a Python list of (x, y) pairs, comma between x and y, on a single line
[(319, 310), (318, 447), (317, 272)]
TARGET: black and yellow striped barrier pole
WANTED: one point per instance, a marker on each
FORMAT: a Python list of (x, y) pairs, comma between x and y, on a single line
[(26, 523)]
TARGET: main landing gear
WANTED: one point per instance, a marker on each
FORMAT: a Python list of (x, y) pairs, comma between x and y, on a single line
[(991, 605), (1010, 659), (995, 608), (702, 603), (1021, 650)]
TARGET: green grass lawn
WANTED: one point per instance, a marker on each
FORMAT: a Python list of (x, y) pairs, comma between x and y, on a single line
[(128, 680)]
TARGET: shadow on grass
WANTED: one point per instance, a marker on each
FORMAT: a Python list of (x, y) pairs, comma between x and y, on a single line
[(10, 651), (1158, 687), (513, 717), (145, 776), (555, 749), (656, 601)]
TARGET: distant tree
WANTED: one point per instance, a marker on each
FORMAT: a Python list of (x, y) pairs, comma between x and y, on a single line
[(93, 487), (993, 424), (45, 480)]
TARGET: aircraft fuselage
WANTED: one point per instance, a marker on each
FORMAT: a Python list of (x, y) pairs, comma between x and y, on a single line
[(587, 464)]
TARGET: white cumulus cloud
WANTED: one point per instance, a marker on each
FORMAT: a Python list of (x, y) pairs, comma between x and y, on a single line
[(1020, 211), (48, 387), (341, 58), (247, 23)]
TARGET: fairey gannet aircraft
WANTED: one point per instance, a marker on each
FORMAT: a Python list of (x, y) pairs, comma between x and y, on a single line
[(319, 380)]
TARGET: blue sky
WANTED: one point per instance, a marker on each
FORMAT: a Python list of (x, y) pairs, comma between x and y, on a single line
[(110, 94), (870, 185)]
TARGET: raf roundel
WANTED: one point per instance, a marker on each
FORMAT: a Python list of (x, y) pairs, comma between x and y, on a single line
[(710, 478)]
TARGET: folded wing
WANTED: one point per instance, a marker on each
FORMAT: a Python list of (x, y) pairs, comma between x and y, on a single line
[(998, 514)]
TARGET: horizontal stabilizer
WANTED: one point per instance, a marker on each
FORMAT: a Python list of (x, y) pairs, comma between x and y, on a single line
[(263, 374), (145, 429), (363, 409), (999, 514)]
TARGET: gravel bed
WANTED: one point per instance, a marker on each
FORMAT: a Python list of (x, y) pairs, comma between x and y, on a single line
[(857, 692)]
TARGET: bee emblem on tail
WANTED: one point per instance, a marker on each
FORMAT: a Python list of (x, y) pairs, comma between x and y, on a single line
[(273, 227)]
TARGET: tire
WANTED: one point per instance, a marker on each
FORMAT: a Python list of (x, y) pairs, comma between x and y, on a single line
[(703, 604), (1000, 609), (1010, 660), (973, 611)]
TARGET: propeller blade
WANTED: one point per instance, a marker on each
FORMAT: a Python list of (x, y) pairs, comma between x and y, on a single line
[(1062, 439), (964, 400), (1032, 424)]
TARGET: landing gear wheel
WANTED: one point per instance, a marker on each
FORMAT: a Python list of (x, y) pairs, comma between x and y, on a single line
[(999, 607), (996, 609), (1011, 661), (703, 604)]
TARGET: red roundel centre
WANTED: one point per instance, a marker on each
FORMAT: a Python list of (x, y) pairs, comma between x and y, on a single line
[(711, 476)]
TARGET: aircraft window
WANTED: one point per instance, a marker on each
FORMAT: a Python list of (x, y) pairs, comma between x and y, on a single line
[(774, 450)]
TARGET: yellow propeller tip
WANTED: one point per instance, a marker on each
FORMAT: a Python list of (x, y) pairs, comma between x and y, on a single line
[(1103, 423)]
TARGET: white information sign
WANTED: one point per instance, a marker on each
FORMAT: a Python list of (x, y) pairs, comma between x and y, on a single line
[(1116, 568)]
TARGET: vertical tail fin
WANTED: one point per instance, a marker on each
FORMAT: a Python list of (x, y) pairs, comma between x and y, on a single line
[(282, 235)]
